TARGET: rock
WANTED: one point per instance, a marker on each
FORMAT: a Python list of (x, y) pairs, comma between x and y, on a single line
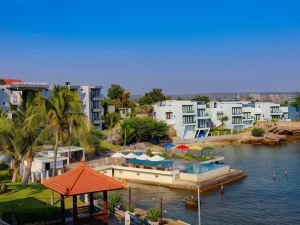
[(273, 139)]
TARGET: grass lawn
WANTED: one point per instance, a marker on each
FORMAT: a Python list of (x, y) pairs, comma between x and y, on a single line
[(28, 201)]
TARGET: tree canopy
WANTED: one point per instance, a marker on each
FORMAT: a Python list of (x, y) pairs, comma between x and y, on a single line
[(296, 103), (143, 129), (118, 97), (201, 98), (155, 95)]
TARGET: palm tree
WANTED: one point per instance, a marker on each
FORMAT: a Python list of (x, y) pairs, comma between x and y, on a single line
[(64, 113), (19, 137), (30, 119), (10, 137), (111, 121)]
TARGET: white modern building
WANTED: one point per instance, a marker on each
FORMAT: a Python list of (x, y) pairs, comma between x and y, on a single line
[(189, 118), (233, 110), (43, 163), (243, 114), (90, 97)]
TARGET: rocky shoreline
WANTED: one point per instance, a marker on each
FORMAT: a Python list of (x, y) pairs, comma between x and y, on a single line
[(276, 133)]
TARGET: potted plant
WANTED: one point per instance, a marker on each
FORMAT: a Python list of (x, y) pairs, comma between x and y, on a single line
[(115, 199), (153, 215)]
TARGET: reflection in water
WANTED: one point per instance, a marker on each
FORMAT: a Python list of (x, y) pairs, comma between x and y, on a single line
[(256, 200)]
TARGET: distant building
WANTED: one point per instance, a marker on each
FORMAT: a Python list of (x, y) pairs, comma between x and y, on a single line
[(12, 92), (90, 97), (189, 118), (124, 112)]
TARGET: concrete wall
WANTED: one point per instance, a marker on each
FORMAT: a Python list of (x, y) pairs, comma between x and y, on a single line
[(128, 173)]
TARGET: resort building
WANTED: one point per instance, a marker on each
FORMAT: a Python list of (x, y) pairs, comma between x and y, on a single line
[(90, 97), (190, 119), (232, 110), (12, 91), (43, 163)]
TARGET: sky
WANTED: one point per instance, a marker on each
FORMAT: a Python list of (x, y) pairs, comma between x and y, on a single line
[(182, 46)]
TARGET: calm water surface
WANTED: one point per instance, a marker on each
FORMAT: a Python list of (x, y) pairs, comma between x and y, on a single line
[(256, 200)]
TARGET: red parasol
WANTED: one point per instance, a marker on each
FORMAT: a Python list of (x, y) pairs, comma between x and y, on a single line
[(182, 147)]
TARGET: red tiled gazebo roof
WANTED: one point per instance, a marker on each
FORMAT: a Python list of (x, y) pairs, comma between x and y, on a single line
[(82, 180)]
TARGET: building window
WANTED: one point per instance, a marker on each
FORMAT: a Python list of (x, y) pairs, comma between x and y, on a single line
[(156, 175), (137, 174), (257, 116), (203, 123), (247, 115), (169, 115), (96, 93), (95, 116), (237, 110), (187, 109), (220, 115), (120, 171), (237, 120), (188, 119), (201, 112), (275, 109), (96, 104)]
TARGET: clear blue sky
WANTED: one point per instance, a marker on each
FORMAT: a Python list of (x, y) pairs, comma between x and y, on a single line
[(181, 46)]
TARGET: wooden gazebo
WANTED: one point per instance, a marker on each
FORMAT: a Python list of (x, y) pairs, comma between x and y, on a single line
[(79, 181)]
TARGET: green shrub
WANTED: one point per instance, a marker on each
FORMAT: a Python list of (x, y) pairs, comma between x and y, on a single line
[(131, 208), (11, 172), (149, 152), (3, 166), (153, 214), (106, 146), (114, 199), (258, 132), (208, 148), (33, 215)]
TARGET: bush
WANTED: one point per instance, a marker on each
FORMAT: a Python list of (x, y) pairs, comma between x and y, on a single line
[(33, 215), (3, 166), (106, 146), (11, 172), (153, 214), (131, 208), (208, 148), (114, 199), (258, 132)]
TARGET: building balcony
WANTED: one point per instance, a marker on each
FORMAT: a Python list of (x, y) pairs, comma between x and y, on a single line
[(97, 110), (97, 98), (97, 121)]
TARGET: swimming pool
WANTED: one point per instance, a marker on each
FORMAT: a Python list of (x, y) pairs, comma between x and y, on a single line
[(201, 168)]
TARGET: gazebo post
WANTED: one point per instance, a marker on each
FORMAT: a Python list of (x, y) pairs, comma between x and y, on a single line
[(75, 212), (105, 207), (92, 207), (62, 207)]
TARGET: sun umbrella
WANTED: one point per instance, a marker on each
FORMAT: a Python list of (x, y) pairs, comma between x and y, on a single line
[(143, 157), (169, 146), (182, 147), (130, 156), (156, 158), (195, 147), (118, 155)]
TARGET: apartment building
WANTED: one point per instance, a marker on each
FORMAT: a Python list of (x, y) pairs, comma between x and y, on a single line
[(189, 118), (12, 91), (90, 97), (234, 112)]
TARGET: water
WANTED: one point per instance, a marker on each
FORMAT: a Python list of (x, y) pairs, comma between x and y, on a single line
[(257, 200)]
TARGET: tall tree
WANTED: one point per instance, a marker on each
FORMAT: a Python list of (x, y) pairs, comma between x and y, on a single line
[(115, 91), (64, 114), (155, 95)]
